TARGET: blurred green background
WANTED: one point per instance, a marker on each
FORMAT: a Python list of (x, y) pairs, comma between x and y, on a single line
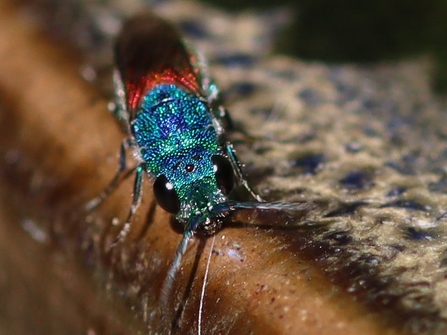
[(362, 31)]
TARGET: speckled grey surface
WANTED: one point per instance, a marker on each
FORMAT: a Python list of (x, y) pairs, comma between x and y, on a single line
[(371, 139)]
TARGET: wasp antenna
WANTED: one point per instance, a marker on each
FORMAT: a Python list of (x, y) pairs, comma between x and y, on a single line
[(287, 206), (172, 272), (202, 293), (230, 206), (282, 215)]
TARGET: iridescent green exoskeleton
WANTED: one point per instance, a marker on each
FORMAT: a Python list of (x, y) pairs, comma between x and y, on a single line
[(175, 125)]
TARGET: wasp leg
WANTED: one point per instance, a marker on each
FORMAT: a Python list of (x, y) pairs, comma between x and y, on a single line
[(122, 174), (237, 168), (136, 201)]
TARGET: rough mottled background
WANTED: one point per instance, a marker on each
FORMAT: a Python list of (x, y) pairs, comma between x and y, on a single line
[(370, 139)]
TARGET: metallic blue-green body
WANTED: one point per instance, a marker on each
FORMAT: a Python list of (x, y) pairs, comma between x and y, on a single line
[(176, 137), (175, 122)]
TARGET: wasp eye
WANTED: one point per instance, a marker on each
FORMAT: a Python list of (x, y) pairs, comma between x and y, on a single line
[(224, 173), (165, 195)]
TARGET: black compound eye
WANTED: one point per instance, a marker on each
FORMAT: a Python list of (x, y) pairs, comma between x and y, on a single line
[(165, 195), (224, 173)]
